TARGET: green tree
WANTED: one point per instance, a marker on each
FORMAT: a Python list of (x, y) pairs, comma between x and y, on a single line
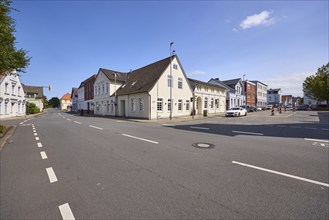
[(317, 86), (10, 57), (54, 102), (45, 102)]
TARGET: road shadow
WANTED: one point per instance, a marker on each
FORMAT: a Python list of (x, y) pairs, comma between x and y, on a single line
[(286, 130)]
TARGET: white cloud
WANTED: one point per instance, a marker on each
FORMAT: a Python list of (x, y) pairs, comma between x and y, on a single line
[(290, 84), (263, 18), (197, 72)]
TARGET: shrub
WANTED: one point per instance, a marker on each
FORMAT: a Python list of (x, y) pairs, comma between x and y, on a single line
[(2, 129)]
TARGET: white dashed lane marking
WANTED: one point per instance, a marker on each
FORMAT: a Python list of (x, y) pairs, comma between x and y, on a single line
[(244, 132), (201, 128), (95, 127), (43, 155), (142, 139), (66, 212), (35, 134), (51, 175), (77, 122), (37, 138), (39, 144)]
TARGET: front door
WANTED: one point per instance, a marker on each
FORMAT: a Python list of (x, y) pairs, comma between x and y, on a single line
[(122, 108)]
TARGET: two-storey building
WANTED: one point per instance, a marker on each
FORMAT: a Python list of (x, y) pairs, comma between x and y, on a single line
[(274, 97), (261, 94), (235, 97), (86, 96), (250, 93), (12, 100), (34, 94)]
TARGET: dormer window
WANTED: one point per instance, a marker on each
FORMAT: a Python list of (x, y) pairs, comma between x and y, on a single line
[(175, 66)]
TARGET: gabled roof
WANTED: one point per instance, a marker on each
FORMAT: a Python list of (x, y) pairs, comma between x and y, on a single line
[(92, 79), (256, 81), (194, 83), (232, 82), (144, 79), (66, 96), (38, 90), (220, 83), (110, 74)]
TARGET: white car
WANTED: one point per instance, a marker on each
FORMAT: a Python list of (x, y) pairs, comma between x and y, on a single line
[(237, 111)]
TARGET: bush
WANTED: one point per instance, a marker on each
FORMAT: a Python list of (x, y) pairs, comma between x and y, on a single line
[(32, 109), (2, 129)]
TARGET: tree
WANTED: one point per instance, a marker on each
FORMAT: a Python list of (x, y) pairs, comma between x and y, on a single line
[(317, 86), (54, 102), (10, 57)]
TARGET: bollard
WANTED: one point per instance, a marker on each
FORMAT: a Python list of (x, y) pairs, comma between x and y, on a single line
[(280, 110), (272, 111)]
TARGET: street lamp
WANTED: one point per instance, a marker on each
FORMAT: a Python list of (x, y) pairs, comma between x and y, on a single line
[(171, 81), (244, 90)]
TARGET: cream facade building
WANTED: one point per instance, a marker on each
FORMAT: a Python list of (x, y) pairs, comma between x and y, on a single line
[(12, 100)]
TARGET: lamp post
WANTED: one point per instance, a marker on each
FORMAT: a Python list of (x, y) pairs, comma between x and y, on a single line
[(244, 90), (171, 81)]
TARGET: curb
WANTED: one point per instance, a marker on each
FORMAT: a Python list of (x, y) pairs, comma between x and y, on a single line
[(23, 117), (6, 136)]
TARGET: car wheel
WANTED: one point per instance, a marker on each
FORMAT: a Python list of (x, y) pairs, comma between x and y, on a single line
[(245, 114)]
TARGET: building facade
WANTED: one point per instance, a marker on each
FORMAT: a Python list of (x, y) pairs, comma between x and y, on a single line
[(86, 96), (287, 100), (274, 96), (250, 93), (74, 98), (235, 97), (12, 100), (209, 97), (66, 102), (34, 94), (261, 93)]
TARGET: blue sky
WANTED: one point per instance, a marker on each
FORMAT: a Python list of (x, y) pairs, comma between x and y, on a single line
[(279, 43)]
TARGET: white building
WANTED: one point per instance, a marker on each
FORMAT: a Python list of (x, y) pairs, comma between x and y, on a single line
[(210, 97), (158, 90), (274, 96), (12, 100), (86, 96), (261, 94), (66, 102), (34, 94), (105, 86)]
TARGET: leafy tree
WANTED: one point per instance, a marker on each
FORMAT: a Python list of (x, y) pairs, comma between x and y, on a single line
[(45, 102), (10, 57), (317, 86), (54, 102)]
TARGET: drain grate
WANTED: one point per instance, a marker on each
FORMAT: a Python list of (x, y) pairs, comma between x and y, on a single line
[(203, 145)]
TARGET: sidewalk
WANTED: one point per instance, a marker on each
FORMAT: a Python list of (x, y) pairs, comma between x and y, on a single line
[(22, 117)]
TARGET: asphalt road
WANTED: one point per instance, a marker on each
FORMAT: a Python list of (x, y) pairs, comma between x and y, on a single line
[(260, 166)]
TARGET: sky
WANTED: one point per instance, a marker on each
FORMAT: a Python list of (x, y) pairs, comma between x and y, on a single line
[(279, 43)]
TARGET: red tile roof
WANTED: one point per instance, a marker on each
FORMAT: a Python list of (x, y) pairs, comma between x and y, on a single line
[(67, 96)]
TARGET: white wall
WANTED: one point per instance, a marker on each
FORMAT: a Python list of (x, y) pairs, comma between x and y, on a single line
[(12, 100), (136, 106), (210, 93), (162, 90)]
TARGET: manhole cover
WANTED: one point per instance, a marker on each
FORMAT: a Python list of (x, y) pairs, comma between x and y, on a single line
[(203, 145)]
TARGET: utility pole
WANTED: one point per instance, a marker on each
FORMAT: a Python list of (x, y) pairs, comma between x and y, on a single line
[(171, 82)]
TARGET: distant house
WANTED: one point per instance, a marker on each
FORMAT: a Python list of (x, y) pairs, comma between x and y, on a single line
[(86, 96), (274, 96), (261, 93), (287, 100), (207, 96), (74, 98), (66, 102), (158, 90), (34, 94), (12, 100), (235, 96)]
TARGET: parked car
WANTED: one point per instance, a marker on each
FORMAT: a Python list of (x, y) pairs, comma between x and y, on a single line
[(253, 109), (245, 107), (302, 108), (268, 107), (259, 108), (236, 112)]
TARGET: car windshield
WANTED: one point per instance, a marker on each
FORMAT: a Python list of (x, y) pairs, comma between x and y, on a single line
[(234, 108)]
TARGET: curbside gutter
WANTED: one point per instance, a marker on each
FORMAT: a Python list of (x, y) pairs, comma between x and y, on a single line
[(6, 136)]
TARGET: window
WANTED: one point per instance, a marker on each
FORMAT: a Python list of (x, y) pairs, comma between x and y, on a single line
[(107, 88), (217, 103), (19, 91), (95, 90), (159, 104), (99, 89), (6, 108), (205, 102), (180, 103), (175, 66), (6, 88), (107, 106), (13, 89), (169, 105), (212, 103), (141, 105), (187, 105), (170, 81), (112, 106), (180, 83), (133, 105), (103, 89)]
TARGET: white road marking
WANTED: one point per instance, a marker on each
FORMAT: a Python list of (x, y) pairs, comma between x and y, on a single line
[(282, 174), (244, 132), (35, 134), (66, 212), (291, 114), (323, 145), (51, 175), (69, 119), (34, 131), (39, 144), (37, 138), (77, 122), (43, 155), (95, 127), (154, 142), (318, 140), (201, 128)]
